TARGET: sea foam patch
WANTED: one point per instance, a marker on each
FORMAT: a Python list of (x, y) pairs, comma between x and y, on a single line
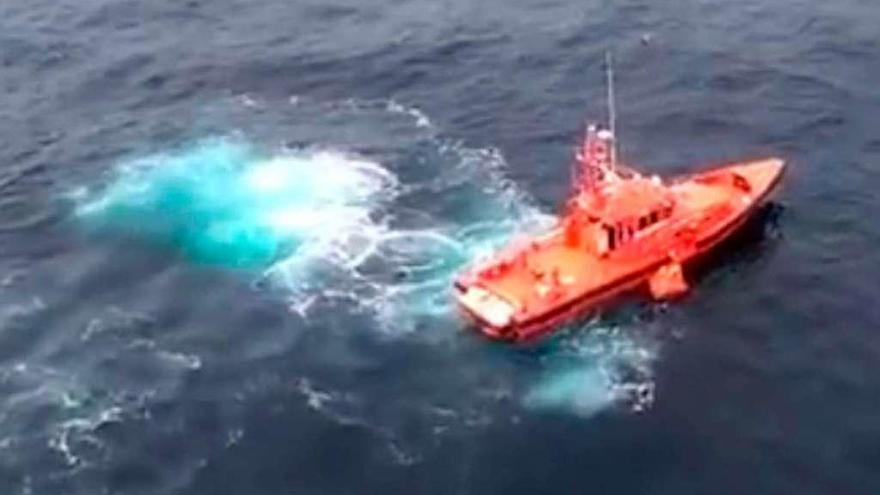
[(595, 366), (224, 202)]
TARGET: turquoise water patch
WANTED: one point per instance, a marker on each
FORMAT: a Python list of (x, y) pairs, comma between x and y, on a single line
[(581, 390), (222, 201), (593, 367)]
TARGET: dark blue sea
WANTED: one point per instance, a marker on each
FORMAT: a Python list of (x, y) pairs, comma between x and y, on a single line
[(228, 230)]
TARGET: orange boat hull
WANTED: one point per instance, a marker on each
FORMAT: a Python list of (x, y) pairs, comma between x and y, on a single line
[(529, 289)]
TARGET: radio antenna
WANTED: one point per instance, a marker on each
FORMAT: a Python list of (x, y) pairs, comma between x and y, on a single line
[(612, 112)]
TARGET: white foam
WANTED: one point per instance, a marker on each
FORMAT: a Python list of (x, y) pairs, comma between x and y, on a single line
[(594, 367), (351, 229), (421, 119)]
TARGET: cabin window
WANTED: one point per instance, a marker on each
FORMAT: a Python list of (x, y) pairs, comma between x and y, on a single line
[(650, 219), (621, 233), (612, 238)]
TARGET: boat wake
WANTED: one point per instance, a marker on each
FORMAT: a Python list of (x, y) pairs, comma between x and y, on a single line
[(379, 234), (398, 266)]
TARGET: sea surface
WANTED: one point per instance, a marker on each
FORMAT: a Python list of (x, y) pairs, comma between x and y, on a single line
[(228, 230)]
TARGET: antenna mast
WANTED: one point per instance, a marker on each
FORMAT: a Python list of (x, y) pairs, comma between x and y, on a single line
[(612, 113)]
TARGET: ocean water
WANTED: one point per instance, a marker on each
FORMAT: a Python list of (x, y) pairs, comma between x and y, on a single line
[(228, 230)]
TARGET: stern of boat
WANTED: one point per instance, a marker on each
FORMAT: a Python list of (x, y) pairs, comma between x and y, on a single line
[(489, 311)]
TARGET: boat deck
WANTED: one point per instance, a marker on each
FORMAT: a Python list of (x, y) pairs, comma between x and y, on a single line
[(552, 273)]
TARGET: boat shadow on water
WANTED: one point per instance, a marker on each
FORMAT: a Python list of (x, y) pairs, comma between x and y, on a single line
[(748, 245)]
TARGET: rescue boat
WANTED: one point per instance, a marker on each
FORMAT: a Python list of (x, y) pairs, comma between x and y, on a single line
[(619, 231)]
